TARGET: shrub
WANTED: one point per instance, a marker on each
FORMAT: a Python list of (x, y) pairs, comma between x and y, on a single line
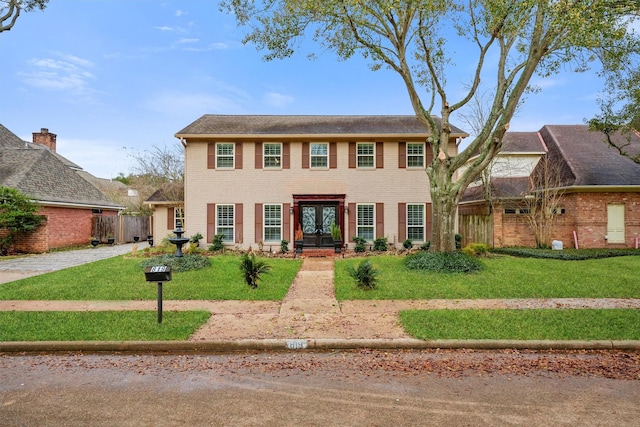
[(380, 244), (425, 246), (284, 246), (178, 264), (365, 275), (476, 249), (407, 244), (253, 269), (443, 262), (359, 241), (216, 243), (566, 254), (196, 238)]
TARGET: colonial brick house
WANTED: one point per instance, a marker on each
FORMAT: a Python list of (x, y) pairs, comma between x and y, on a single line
[(256, 179), (68, 201), (600, 205)]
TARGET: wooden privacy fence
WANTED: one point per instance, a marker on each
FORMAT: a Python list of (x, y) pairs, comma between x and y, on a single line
[(122, 228), (476, 229)]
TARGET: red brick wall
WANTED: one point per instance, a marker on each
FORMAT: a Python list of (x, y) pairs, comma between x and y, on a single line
[(64, 227), (585, 213), (34, 242)]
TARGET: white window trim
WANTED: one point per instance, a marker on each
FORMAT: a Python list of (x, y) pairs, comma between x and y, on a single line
[(233, 156), (233, 226), (424, 221), (366, 155), (264, 221), (177, 217), (424, 160), (373, 225), (264, 156), (311, 156)]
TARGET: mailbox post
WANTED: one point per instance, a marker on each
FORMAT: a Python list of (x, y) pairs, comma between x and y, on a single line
[(159, 274)]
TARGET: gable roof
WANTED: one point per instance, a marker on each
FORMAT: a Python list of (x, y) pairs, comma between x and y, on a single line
[(45, 176), (42, 177), (589, 159), (214, 125)]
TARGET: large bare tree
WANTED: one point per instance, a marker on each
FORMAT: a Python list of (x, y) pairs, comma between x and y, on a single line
[(10, 11), (501, 43)]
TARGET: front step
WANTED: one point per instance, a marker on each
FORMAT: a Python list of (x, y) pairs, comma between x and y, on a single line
[(319, 252)]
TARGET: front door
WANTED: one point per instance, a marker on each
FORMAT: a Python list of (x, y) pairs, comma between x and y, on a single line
[(316, 220)]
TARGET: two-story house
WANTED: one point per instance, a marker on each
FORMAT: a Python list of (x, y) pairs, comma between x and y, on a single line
[(256, 179)]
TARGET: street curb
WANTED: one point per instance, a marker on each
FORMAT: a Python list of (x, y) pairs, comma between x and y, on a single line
[(251, 345)]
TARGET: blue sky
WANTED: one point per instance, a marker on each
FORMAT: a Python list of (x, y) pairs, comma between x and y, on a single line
[(112, 77)]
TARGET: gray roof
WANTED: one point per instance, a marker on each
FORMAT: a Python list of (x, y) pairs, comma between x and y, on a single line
[(522, 142), (585, 158), (10, 140), (248, 125), (42, 177), (45, 176), (589, 159)]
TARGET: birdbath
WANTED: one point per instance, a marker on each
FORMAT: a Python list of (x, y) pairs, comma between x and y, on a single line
[(179, 240)]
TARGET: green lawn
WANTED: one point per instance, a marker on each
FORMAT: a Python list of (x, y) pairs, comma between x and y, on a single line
[(99, 325), (503, 277), (122, 278), (546, 324)]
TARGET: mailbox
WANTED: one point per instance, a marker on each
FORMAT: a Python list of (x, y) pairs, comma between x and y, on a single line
[(158, 273)]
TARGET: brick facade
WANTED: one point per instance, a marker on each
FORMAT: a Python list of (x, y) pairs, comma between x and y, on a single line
[(586, 214), (64, 227)]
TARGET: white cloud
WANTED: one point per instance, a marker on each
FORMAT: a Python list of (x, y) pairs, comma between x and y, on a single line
[(278, 100), (180, 12), (65, 73)]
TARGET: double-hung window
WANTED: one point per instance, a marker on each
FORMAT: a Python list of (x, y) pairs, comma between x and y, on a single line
[(225, 155), (319, 155), (365, 221), (415, 222), (272, 223), (272, 155), (178, 217), (225, 222), (365, 155), (415, 155)]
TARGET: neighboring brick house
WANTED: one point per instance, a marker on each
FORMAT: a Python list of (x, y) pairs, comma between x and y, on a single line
[(255, 179), (69, 202), (601, 191)]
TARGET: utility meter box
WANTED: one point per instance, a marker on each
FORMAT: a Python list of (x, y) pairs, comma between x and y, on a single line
[(158, 273)]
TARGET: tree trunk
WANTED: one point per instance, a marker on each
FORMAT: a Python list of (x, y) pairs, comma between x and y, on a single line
[(444, 201)]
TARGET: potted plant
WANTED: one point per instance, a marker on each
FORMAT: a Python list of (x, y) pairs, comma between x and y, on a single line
[(110, 239), (336, 234), (94, 241), (299, 242)]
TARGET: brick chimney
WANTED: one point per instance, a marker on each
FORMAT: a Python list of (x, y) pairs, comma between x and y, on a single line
[(45, 138)]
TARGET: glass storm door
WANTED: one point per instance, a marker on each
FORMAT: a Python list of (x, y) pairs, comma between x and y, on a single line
[(316, 222)]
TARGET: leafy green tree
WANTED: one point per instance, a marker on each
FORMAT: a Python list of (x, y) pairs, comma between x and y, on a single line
[(10, 11), (18, 214), (501, 43)]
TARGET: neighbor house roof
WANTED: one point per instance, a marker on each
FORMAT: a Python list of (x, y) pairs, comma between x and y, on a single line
[(42, 177), (585, 159), (45, 176), (288, 126), (589, 159)]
